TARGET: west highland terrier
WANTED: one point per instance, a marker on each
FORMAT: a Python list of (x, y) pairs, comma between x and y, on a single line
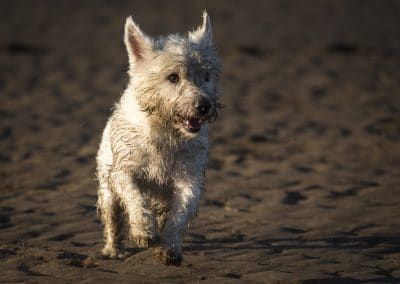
[(152, 157)]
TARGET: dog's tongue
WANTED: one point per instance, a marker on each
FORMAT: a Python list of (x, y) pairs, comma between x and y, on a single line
[(194, 124)]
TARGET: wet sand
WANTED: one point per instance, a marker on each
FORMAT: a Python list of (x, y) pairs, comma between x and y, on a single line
[(303, 178)]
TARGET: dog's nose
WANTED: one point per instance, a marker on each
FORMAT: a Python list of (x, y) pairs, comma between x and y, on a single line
[(203, 106)]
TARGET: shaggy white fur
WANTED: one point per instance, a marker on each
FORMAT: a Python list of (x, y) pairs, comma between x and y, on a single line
[(153, 153)]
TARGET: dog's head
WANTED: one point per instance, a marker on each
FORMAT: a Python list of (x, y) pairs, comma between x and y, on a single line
[(175, 78)]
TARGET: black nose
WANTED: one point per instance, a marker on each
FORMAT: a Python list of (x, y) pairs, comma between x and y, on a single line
[(203, 106)]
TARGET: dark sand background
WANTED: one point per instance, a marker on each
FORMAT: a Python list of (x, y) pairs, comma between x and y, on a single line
[(304, 173)]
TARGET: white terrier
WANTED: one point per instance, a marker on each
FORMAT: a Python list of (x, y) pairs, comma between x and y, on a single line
[(152, 157)]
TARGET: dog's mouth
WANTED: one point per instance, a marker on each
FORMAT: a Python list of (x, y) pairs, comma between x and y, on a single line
[(193, 124)]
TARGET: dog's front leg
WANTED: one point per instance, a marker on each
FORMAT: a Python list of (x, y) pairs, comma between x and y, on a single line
[(143, 226), (183, 209)]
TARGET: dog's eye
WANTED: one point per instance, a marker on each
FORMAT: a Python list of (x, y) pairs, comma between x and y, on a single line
[(207, 77), (173, 78)]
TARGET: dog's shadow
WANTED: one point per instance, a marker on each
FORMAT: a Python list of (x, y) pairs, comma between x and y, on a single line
[(390, 244), (223, 249)]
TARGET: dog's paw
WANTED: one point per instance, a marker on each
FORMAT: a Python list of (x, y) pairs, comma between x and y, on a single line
[(168, 256), (113, 253), (147, 241)]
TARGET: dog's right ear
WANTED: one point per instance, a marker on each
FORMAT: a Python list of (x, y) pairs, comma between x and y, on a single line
[(137, 43)]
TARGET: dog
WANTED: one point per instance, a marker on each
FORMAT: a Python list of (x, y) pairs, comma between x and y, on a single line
[(153, 153)]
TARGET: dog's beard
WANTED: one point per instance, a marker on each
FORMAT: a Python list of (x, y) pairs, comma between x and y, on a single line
[(183, 123)]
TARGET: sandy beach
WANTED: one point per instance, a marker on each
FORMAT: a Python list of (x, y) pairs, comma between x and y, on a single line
[(304, 169)]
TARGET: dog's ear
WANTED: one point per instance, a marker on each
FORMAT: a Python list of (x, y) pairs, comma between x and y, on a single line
[(137, 43), (203, 34)]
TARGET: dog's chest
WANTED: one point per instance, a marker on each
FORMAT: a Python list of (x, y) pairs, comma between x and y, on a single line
[(157, 164)]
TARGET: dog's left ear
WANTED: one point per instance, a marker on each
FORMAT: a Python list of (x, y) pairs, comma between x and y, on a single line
[(203, 34)]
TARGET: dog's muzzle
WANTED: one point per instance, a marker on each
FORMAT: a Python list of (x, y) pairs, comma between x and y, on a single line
[(203, 106), (203, 112)]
